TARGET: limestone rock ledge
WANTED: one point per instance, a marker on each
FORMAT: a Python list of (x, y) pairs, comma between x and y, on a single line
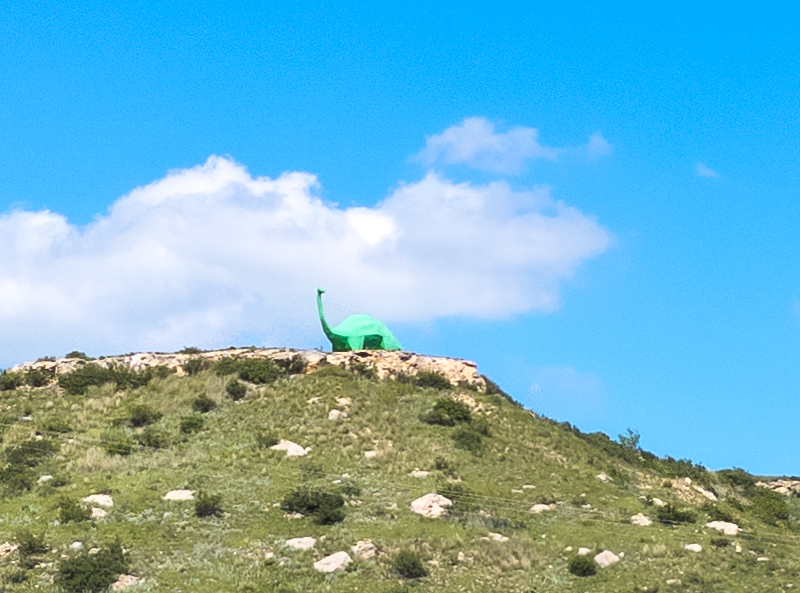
[(387, 364)]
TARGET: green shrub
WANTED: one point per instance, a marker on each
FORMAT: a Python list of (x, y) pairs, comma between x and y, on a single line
[(190, 350), (193, 366), (78, 381), (92, 572), (208, 505), (142, 415), (296, 365), (31, 546), (670, 514), (469, 440), (153, 437), (447, 412), (16, 479), (253, 370), (78, 355), (720, 542), (363, 370), (236, 390), (71, 511), (31, 453), (432, 379), (325, 507), (191, 424), (408, 565), (117, 443), (55, 425), (582, 566), (716, 512), (10, 381), (769, 506), (266, 439), (203, 404), (37, 377)]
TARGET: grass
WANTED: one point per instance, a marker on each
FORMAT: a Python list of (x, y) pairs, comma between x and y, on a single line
[(222, 453)]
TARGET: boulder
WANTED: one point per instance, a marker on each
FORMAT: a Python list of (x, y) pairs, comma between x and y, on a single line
[(584, 551), (724, 527), (641, 520), (418, 473), (98, 513), (364, 549), (603, 477), (7, 548), (334, 415), (104, 500), (336, 562), (606, 558), (179, 495), (497, 537), (693, 547), (124, 581), (539, 508), (431, 505), (301, 543), (292, 449)]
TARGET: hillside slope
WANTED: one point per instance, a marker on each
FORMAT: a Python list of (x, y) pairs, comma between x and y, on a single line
[(526, 493)]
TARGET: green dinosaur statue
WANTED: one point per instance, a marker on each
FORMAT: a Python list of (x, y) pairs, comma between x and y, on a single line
[(357, 332)]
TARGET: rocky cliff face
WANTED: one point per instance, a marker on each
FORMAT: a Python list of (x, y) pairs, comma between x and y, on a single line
[(385, 364)]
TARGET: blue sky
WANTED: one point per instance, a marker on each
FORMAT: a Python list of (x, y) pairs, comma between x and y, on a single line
[(598, 204)]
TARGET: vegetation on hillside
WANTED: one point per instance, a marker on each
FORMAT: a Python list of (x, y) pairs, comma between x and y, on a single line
[(137, 435)]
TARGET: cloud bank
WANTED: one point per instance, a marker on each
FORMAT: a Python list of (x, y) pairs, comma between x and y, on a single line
[(213, 255)]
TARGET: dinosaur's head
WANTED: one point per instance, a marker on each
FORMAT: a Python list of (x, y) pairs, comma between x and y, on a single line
[(320, 291)]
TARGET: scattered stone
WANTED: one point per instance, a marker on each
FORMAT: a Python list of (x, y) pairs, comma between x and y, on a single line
[(344, 402), (603, 478), (364, 549), (584, 551), (94, 551), (539, 508), (313, 400), (724, 527), (98, 513), (292, 449), (76, 546), (284, 560), (693, 547), (497, 537), (334, 415), (104, 500), (606, 558), (43, 479), (674, 582), (179, 495), (293, 516), (658, 502), (336, 562), (738, 548), (431, 505), (528, 486), (762, 559), (370, 454), (301, 543), (124, 581), (418, 473), (568, 549), (641, 520), (515, 491), (709, 495), (7, 548)]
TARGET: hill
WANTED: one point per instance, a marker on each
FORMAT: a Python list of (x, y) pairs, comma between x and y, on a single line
[(253, 470)]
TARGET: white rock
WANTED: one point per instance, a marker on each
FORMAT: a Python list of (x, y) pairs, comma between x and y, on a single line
[(709, 495), (431, 505), (292, 449), (528, 486), (124, 581), (334, 415), (45, 478), (7, 548), (724, 527), (418, 473), (693, 547), (104, 500), (334, 563), (179, 495), (762, 559), (606, 558), (370, 454), (658, 502), (301, 543), (584, 551), (603, 478), (539, 508), (98, 513), (497, 537), (641, 520), (76, 546), (364, 549), (344, 401)]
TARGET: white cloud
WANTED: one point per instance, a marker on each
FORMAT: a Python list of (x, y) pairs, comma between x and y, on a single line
[(475, 143), (210, 254), (703, 170), (598, 146)]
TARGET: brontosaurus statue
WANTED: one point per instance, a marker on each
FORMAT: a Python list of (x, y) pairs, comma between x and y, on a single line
[(357, 332)]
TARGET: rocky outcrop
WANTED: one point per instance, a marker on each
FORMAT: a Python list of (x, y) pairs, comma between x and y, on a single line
[(784, 487), (386, 364)]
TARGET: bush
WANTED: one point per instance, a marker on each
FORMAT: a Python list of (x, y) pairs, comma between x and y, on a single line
[(582, 566), (432, 379), (325, 507), (16, 479), (37, 377), (10, 381), (117, 443), (408, 565), (363, 370), (670, 514), (769, 506), (78, 381), (716, 513), (153, 437), (191, 424), (93, 573), (194, 365), (208, 505), (236, 389), (737, 477), (203, 404), (469, 440), (30, 546), (31, 453), (55, 425), (253, 370), (447, 412), (78, 355), (296, 365), (266, 439), (141, 415), (71, 511)]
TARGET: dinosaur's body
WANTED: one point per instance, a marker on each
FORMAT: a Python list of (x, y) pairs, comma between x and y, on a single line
[(357, 332)]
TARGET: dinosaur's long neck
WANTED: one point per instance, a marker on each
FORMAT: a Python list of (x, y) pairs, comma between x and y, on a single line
[(325, 327)]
